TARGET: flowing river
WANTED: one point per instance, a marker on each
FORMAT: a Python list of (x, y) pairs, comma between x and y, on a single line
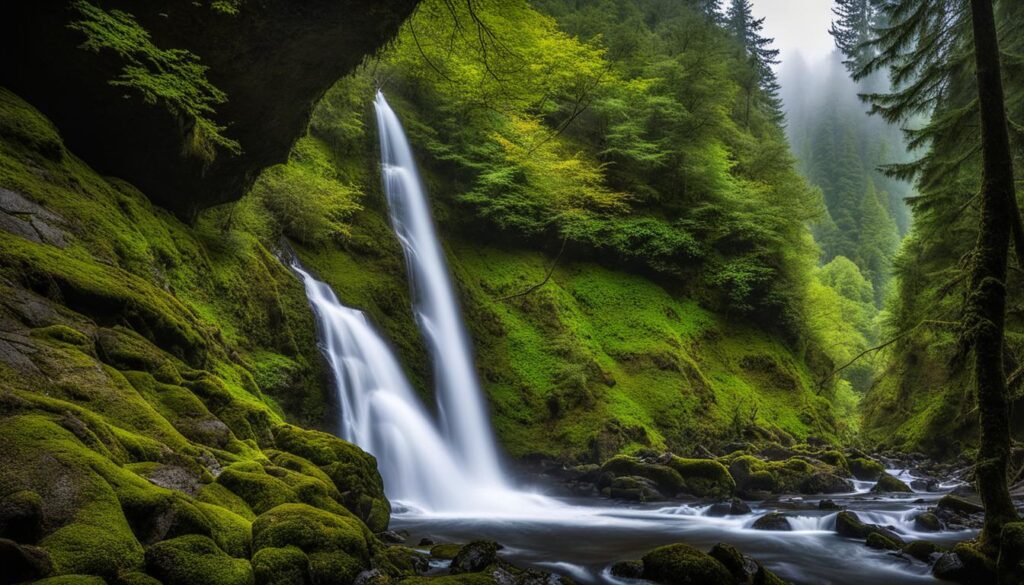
[(444, 477)]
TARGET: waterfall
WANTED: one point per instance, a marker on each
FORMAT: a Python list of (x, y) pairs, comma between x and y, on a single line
[(459, 398)]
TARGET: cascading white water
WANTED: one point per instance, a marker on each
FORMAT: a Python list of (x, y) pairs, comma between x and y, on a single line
[(459, 399)]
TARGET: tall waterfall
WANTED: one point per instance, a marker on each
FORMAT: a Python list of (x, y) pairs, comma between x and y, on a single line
[(459, 399)]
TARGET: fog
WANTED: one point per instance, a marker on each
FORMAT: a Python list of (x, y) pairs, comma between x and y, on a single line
[(798, 26)]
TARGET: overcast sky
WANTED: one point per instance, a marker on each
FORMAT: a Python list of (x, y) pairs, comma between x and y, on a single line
[(797, 26)]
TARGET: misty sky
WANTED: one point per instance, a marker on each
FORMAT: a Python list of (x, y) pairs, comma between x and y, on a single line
[(798, 26)]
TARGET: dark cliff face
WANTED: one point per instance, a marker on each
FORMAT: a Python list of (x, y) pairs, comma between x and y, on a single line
[(272, 58)]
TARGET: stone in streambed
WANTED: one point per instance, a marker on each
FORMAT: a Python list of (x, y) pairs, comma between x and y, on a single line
[(736, 507), (966, 565), (828, 505), (826, 483), (741, 567), (474, 557), (921, 550), (634, 488), (866, 469), (960, 505), (445, 552), (927, 522), (628, 569), (889, 484), (678, 564), (879, 541), (772, 521)]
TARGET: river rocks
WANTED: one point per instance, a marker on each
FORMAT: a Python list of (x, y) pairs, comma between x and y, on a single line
[(741, 567), (880, 541), (956, 512), (393, 537), (445, 552), (921, 550), (848, 524), (866, 469), (927, 522), (681, 563), (703, 478), (828, 505), (191, 559), (772, 521), (736, 507), (960, 505), (826, 483), (889, 484), (632, 487), (667, 475), (628, 569), (966, 565), (474, 557)]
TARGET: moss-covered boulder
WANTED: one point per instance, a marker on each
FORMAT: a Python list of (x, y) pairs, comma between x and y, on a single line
[(965, 564), (665, 478), (890, 484), (681, 564), (474, 557), (848, 524), (445, 551), (21, 516), (921, 550), (866, 469), (880, 541), (22, 563), (191, 559), (772, 521), (352, 470), (704, 478), (927, 522), (338, 546), (1010, 564), (260, 491), (281, 566)]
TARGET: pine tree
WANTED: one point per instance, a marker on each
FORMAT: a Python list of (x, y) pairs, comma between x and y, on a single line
[(712, 9), (761, 87), (853, 30)]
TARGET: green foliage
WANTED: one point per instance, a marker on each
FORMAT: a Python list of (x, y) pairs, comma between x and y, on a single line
[(171, 78)]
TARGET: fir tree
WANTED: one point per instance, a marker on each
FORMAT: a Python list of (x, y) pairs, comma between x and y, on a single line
[(853, 30), (761, 87)]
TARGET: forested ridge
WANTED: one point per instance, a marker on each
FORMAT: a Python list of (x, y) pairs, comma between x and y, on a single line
[(692, 271)]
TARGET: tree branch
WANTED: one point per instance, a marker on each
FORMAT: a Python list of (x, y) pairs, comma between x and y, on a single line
[(547, 277)]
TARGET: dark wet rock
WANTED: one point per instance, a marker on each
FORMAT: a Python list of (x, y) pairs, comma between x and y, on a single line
[(628, 569), (174, 477), (880, 541), (21, 516), (673, 563), (393, 536), (736, 507), (741, 567), (772, 521), (925, 485), (865, 469), (634, 488), (825, 483), (372, 577), (889, 484), (22, 563), (426, 541), (828, 505), (848, 524), (964, 564), (927, 522), (959, 505), (474, 557), (921, 550)]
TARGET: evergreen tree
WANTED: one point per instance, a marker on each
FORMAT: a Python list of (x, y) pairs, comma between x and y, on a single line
[(760, 85), (853, 30)]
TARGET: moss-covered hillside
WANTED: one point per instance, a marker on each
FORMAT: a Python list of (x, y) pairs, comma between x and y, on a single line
[(143, 370)]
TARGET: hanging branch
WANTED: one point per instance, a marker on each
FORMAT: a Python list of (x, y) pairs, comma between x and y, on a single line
[(897, 337), (547, 277)]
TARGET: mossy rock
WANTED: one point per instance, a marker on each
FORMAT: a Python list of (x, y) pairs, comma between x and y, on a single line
[(879, 541), (889, 484), (445, 552), (338, 547), (681, 564), (403, 561), (633, 488), (63, 334), (474, 557), (281, 566), (260, 491), (921, 550), (668, 480), (352, 470), (231, 532), (191, 559), (219, 495), (739, 566), (965, 564), (927, 522), (825, 483), (22, 562), (848, 524), (72, 579), (866, 469), (704, 478)]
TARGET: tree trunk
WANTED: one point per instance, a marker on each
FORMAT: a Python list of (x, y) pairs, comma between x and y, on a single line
[(986, 306)]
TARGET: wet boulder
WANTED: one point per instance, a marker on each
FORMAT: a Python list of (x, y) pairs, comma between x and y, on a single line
[(826, 483), (445, 552), (848, 524), (704, 478), (678, 564), (772, 521), (195, 559), (22, 563), (474, 557), (921, 550), (741, 567), (660, 478), (966, 565), (634, 488), (927, 522), (735, 507), (866, 469), (628, 569), (880, 541), (828, 505), (21, 516), (959, 505), (889, 484), (281, 566)]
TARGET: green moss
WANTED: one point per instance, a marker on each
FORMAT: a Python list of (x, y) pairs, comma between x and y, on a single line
[(260, 491), (445, 551), (63, 334), (72, 580), (281, 566), (866, 469), (888, 483), (882, 542), (338, 546), (218, 495), (231, 532), (1010, 563), (673, 563), (187, 560), (704, 478), (668, 479)]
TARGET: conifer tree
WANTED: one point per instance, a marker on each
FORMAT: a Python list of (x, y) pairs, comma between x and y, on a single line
[(761, 88), (853, 30)]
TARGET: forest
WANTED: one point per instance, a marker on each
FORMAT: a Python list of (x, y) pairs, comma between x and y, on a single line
[(512, 292)]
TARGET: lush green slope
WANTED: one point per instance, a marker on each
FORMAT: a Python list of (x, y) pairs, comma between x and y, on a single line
[(138, 360)]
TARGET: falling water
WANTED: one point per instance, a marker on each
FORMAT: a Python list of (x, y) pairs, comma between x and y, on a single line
[(459, 399)]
